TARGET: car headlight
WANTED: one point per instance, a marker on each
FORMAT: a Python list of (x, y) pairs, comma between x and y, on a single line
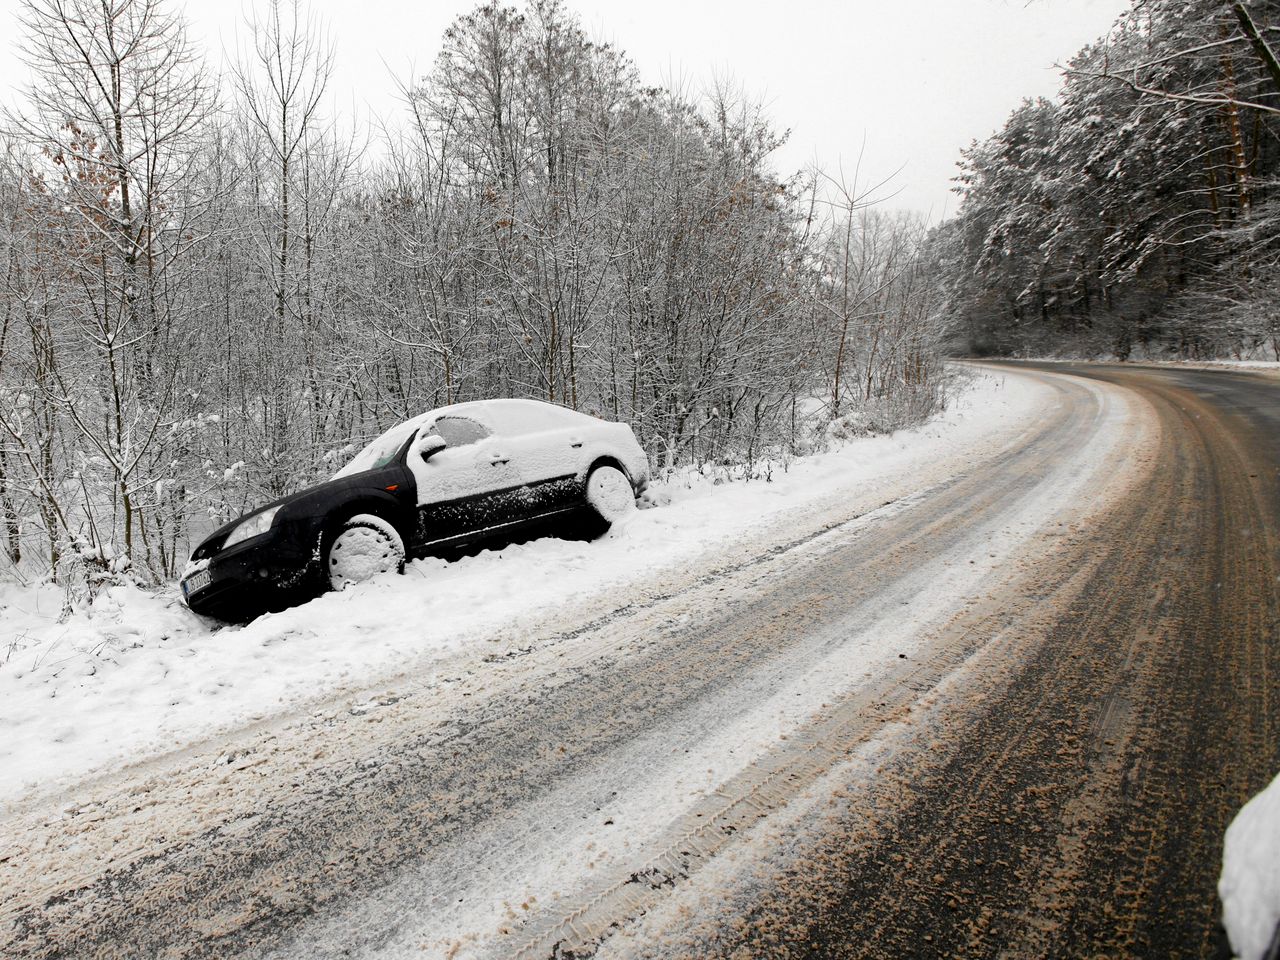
[(251, 527)]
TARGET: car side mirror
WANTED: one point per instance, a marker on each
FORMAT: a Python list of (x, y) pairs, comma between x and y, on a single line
[(428, 446)]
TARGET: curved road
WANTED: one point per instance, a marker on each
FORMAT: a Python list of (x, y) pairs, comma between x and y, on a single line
[(1080, 810), (1010, 713)]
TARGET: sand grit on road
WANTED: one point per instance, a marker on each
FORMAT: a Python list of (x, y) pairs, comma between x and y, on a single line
[(1065, 794)]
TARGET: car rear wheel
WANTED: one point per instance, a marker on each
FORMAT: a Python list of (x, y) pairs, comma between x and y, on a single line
[(362, 548), (609, 494)]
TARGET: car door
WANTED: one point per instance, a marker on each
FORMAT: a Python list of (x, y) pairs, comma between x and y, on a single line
[(547, 443), (460, 488)]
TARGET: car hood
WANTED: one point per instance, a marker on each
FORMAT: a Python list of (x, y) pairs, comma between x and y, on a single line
[(213, 542)]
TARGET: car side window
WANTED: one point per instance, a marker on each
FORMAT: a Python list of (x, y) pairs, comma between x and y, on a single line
[(460, 431)]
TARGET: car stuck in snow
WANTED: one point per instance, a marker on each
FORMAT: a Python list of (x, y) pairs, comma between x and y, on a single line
[(445, 480)]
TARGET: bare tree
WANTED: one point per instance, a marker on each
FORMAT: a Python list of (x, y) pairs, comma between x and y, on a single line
[(200, 311), (117, 109), (296, 170)]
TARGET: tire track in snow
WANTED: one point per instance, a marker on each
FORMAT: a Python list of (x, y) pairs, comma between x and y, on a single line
[(599, 906), (1071, 801), (281, 844)]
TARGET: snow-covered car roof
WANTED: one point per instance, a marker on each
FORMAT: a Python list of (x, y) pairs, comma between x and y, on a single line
[(521, 416), (503, 416)]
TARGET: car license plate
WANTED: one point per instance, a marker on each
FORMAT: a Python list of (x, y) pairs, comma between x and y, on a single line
[(197, 581)]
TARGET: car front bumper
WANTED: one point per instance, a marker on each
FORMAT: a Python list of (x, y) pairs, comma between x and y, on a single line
[(246, 579)]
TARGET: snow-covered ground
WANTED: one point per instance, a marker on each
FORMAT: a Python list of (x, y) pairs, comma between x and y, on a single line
[(1269, 367), (1250, 881), (1232, 364), (138, 674), (1266, 366)]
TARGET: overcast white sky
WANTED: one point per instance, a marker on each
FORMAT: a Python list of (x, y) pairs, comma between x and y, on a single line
[(918, 79)]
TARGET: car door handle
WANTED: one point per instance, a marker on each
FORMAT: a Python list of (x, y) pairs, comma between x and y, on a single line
[(575, 442), (497, 458)]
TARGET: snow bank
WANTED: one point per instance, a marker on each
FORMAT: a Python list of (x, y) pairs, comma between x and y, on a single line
[(1250, 881), (139, 674), (1269, 366), (1243, 364)]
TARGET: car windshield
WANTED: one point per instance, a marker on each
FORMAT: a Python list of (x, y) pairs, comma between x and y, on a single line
[(381, 451)]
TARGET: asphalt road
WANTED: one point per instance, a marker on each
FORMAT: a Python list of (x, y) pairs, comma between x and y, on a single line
[(1030, 697), (1080, 811)]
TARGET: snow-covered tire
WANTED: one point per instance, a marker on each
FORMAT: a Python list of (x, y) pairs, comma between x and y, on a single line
[(362, 548), (609, 493)]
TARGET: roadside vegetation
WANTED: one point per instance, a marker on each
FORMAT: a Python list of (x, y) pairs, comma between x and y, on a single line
[(1138, 215), (214, 288)]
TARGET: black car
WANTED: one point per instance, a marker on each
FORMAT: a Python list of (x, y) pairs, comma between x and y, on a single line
[(439, 482)]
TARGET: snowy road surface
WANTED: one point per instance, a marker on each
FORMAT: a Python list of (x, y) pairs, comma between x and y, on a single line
[(1005, 701)]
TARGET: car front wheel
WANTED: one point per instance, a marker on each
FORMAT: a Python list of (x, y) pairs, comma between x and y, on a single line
[(362, 548), (609, 494)]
